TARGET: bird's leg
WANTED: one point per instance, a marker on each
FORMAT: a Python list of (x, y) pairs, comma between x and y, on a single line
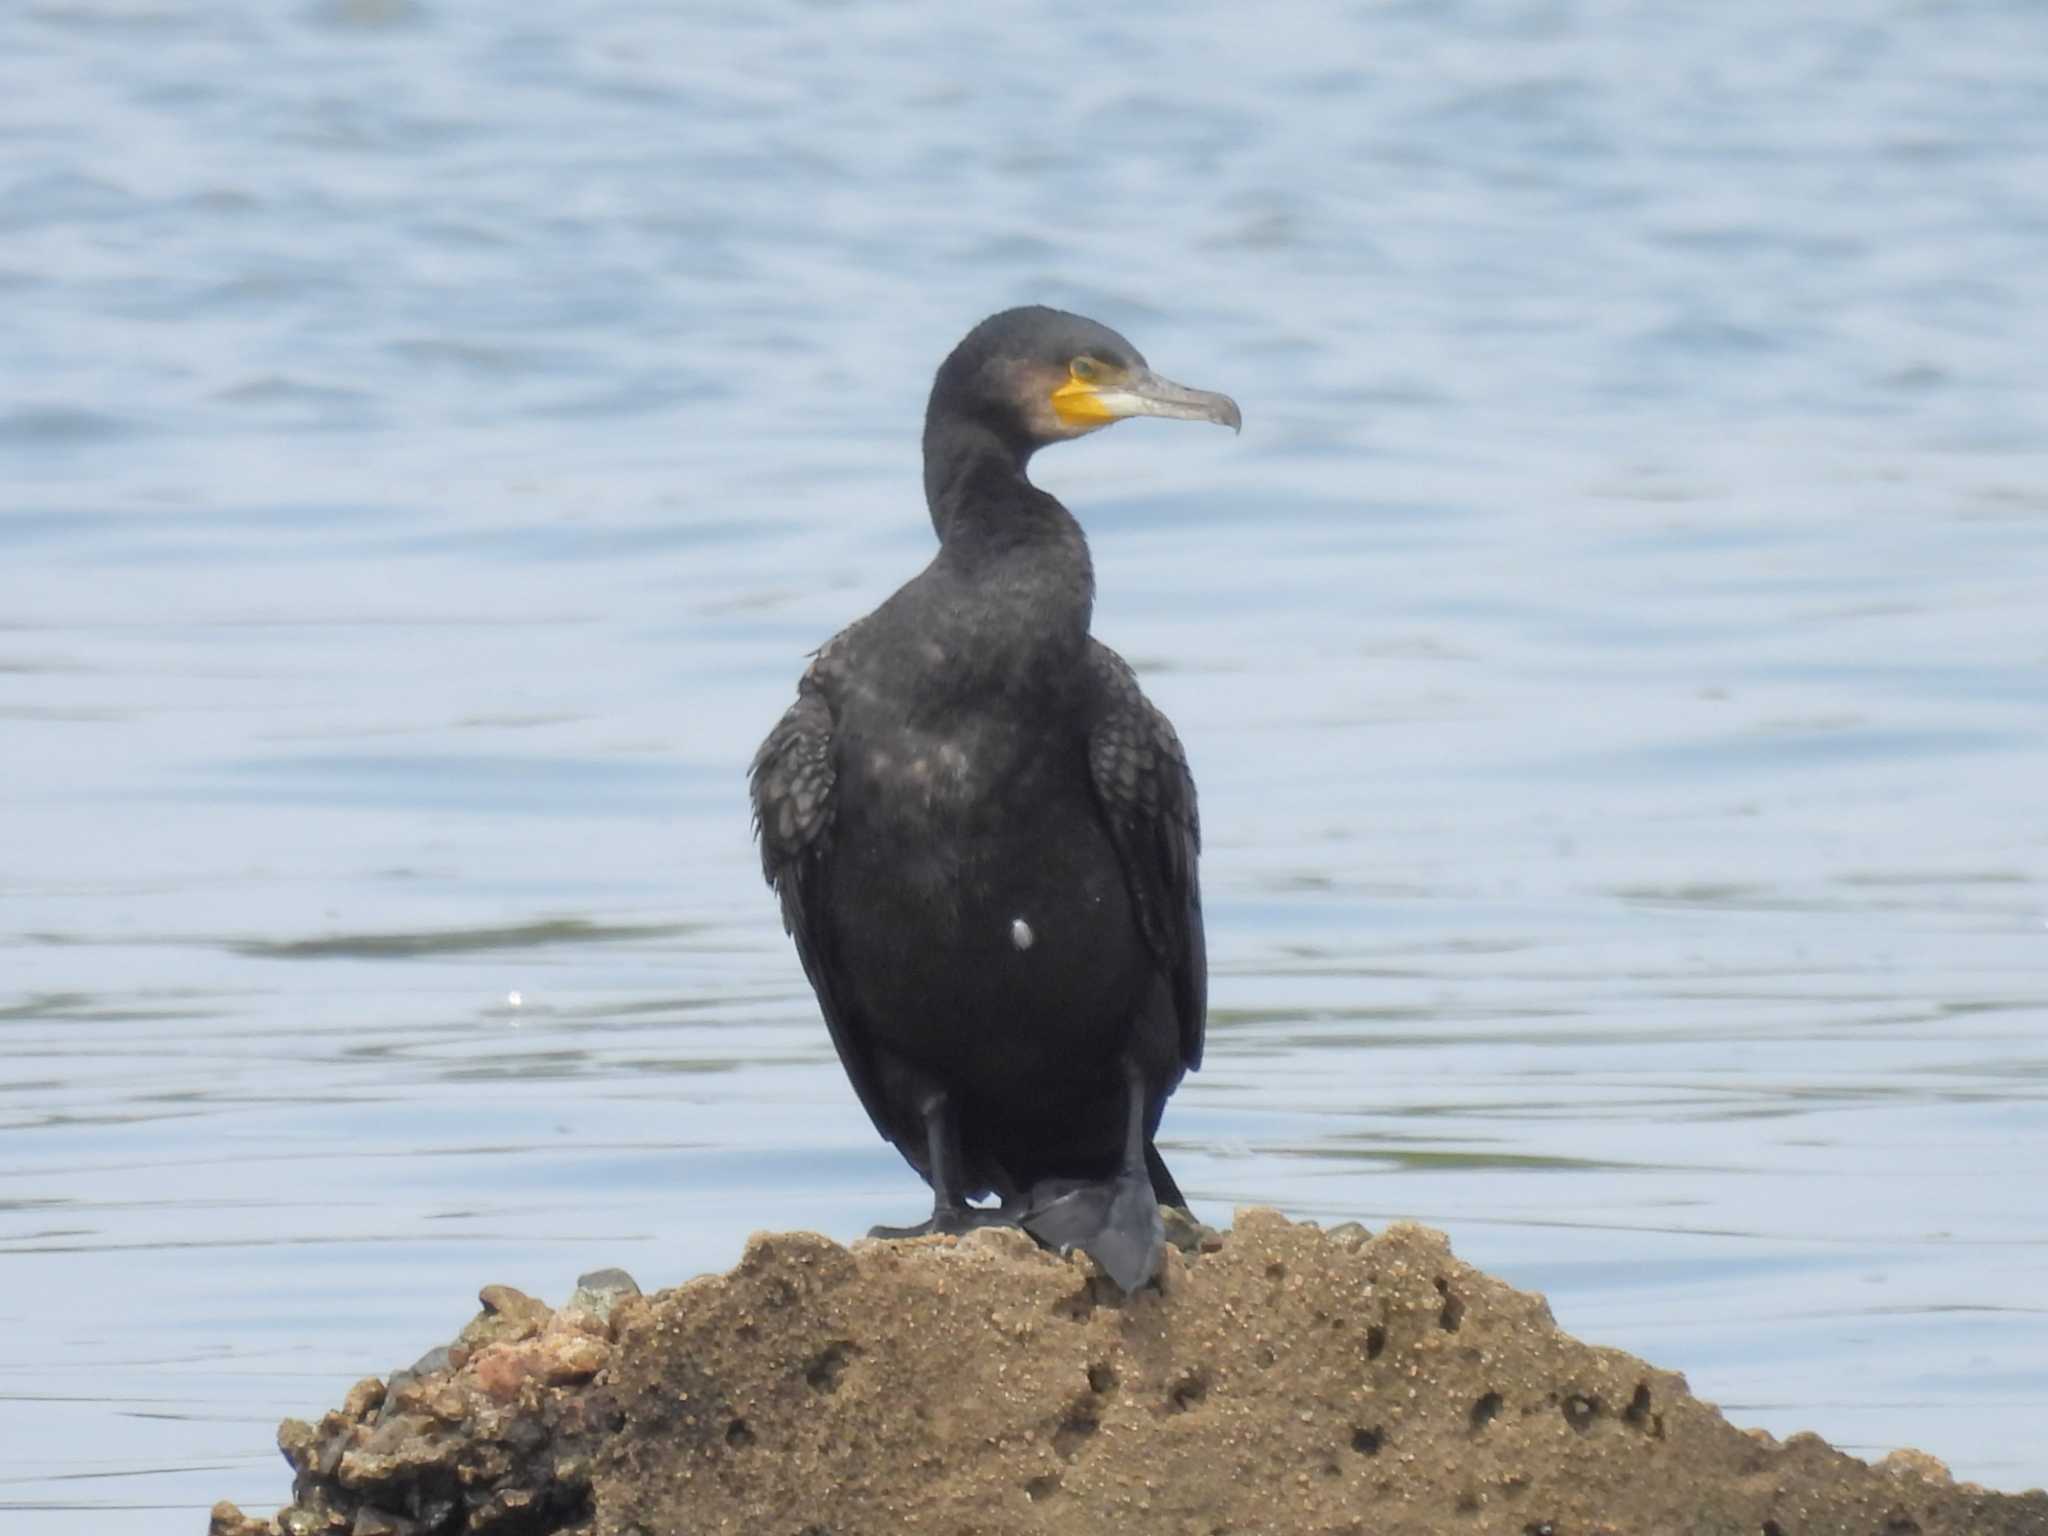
[(950, 1210), (1134, 1122)]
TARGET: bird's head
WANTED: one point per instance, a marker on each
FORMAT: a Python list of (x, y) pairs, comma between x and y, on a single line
[(1038, 376)]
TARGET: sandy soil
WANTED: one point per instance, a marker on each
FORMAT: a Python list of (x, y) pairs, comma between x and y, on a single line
[(1281, 1379)]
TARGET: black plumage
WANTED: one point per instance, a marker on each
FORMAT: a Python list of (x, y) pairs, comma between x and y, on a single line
[(984, 836)]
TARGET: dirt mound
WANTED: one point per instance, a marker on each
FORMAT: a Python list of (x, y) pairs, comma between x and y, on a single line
[(1282, 1379)]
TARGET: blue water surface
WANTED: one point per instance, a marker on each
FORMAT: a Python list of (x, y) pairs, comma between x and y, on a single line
[(1614, 657)]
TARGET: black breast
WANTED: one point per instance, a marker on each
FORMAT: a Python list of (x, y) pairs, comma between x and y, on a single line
[(979, 906)]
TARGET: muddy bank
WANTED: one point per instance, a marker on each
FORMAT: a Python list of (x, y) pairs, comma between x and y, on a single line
[(1283, 1380)]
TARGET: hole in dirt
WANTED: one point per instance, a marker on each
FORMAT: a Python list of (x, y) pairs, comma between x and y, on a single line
[(1042, 1487), (1452, 1313), (1485, 1411), (1772, 1528), (1074, 1432), (1638, 1415), (1276, 1271), (1080, 1306), (1375, 1342), (1101, 1379), (1580, 1410), (1187, 1392), (1902, 1525), (1367, 1441), (829, 1364), (739, 1434)]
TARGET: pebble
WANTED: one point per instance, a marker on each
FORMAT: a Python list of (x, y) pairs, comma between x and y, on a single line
[(435, 1361), (598, 1292), (364, 1399)]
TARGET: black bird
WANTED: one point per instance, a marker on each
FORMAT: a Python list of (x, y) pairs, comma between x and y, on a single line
[(984, 836)]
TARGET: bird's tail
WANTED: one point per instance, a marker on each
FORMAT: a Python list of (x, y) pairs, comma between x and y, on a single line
[(1164, 1190)]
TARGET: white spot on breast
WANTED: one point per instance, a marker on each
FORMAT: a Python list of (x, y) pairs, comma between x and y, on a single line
[(1021, 934)]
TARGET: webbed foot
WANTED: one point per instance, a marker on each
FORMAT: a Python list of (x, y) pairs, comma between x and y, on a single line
[(951, 1221), (1116, 1223)]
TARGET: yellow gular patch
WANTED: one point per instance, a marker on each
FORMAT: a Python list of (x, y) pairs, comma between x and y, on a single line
[(1078, 403)]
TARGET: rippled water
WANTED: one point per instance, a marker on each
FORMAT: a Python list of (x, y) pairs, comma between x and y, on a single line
[(1613, 657)]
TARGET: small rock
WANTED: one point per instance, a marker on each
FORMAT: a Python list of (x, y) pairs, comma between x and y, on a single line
[(435, 1361), (227, 1520), (508, 1316), (509, 1301), (576, 1319), (1011, 1240), (334, 1437), (598, 1293), (1246, 1218), (295, 1437), (394, 1392), (1187, 1234), (1348, 1234), (436, 1397), (506, 1505), (502, 1369), (411, 1460), (1910, 1463), (364, 1399), (566, 1357)]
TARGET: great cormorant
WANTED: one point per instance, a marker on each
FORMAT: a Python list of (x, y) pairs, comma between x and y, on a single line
[(984, 836)]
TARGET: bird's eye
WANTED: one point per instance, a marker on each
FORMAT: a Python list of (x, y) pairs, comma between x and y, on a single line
[(1086, 369)]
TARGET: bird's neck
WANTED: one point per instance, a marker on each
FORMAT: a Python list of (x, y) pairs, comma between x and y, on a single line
[(982, 504), (1005, 536), (973, 477)]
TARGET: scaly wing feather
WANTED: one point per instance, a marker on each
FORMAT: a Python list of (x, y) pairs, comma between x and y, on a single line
[(792, 781), (1148, 799)]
